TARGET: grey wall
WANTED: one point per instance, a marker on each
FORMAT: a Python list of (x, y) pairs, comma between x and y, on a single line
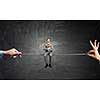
[(67, 37)]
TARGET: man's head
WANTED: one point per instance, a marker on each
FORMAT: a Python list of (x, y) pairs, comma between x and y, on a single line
[(48, 40)]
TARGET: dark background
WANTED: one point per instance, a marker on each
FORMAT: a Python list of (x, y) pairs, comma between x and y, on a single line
[(67, 37)]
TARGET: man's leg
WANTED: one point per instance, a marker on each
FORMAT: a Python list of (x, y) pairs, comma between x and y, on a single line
[(50, 57), (45, 59)]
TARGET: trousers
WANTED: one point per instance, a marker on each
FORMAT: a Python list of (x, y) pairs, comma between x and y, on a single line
[(47, 57)]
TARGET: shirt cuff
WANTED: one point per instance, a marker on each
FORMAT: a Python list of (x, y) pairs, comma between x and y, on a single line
[(1, 54)]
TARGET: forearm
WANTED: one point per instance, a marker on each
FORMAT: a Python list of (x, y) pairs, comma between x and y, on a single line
[(3, 53)]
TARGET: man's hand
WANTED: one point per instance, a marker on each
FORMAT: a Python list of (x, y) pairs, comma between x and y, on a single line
[(94, 52), (13, 53)]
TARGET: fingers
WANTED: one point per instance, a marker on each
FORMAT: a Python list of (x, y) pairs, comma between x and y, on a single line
[(98, 45), (91, 51), (92, 44), (14, 57), (95, 43), (16, 53), (20, 56), (19, 53), (91, 55)]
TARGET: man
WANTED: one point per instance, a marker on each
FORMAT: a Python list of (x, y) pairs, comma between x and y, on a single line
[(10, 53), (94, 52), (48, 51)]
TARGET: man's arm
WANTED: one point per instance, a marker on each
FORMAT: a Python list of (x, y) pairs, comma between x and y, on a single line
[(11, 53), (52, 48)]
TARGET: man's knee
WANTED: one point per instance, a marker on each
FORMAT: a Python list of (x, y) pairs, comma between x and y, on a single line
[(50, 55), (45, 55)]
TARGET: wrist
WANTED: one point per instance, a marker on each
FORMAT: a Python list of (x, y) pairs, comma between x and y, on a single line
[(99, 58), (5, 52)]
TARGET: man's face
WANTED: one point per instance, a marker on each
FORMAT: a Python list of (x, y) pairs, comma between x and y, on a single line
[(48, 40)]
